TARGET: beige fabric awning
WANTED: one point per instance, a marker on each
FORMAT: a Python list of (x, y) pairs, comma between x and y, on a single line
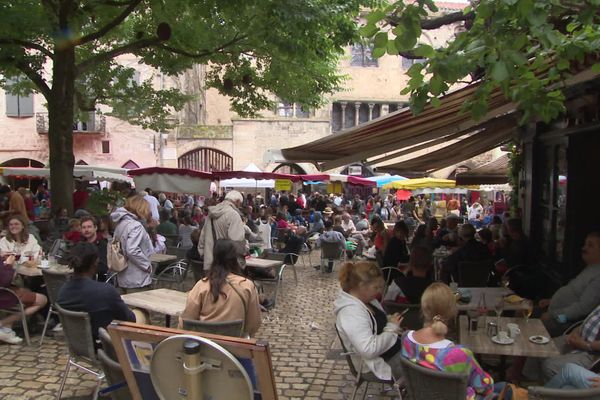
[(492, 173)]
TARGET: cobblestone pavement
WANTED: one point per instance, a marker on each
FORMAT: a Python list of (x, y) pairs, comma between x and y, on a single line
[(300, 331)]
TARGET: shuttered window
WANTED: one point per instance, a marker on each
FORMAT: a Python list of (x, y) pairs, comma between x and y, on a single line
[(18, 105)]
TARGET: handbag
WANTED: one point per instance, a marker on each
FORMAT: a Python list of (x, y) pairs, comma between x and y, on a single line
[(115, 257)]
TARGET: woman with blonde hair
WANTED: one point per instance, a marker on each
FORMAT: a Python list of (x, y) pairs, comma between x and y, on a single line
[(429, 347), (135, 243), (366, 331)]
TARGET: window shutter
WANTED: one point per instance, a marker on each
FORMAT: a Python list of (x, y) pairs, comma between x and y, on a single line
[(12, 105), (26, 105)]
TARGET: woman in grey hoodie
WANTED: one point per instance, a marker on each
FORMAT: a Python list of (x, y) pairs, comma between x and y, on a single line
[(135, 243)]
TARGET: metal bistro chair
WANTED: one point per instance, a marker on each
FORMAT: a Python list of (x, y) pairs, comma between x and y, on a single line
[(431, 384), (80, 344), (225, 328), (117, 385), (474, 274), (278, 278), (287, 259), (19, 308), (54, 281), (173, 274), (359, 376), (542, 393), (330, 251)]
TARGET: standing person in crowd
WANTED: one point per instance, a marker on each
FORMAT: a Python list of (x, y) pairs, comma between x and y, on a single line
[(166, 227), (16, 205), (475, 214), (89, 231), (33, 302), (453, 206), (135, 243), (426, 214), (224, 222), (410, 214), (225, 294), (370, 336), (185, 231), (81, 293), (18, 240), (153, 202)]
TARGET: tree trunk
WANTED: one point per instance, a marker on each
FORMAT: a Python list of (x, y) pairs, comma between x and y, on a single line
[(60, 129)]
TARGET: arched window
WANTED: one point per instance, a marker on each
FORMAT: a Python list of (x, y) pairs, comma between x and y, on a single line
[(289, 168), (206, 159)]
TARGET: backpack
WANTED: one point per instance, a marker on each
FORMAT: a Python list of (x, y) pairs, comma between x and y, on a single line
[(115, 258)]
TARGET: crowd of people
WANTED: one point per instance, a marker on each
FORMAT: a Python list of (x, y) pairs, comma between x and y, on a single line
[(373, 234)]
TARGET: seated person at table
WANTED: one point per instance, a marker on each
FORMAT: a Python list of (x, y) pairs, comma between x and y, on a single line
[(396, 252), (364, 328), (166, 227), (573, 376), (331, 236), (317, 226), (18, 240), (89, 231), (337, 225), (298, 219), (448, 235), (428, 347), (159, 242), (82, 293), (225, 294), (515, 248), (469, 250), (580, 347), (74, 232), (32, 302), (418, 275), (580, 296), (281, 221), (363, 225)]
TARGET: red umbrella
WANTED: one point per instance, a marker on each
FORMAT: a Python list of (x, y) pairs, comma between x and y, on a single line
[(403, 194)]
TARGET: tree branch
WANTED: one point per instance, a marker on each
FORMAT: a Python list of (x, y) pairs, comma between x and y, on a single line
[(28, 45), (438, 22), (26, 69), (109, 55), (112, 24), (203, 53)]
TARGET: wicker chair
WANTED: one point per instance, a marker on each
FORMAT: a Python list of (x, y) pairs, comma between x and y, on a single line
[(107, 344), (542, 393), (430, 384), (54, 281), (117, 389), (225, 328), (80, 344), (359, 376), (19, 308)]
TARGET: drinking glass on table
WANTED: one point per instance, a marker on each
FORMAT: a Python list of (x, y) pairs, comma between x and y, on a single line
[(528, 309), (498, 309)]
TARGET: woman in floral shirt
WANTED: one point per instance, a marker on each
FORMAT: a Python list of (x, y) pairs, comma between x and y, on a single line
[(429, 347)]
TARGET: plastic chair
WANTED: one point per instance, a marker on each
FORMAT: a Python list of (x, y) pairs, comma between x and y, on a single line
[(80, 343), (542, 393), (117, 389), (54, 281), (473, 273), (359, 376), (331, 251), (431, 384), (173, 274), (225, 328), (19, 308)]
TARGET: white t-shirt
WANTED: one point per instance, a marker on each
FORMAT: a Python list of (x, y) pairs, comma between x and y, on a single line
[(442, 344), (154, 204)]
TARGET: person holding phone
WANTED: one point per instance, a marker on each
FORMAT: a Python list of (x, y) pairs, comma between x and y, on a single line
[(365, 329)]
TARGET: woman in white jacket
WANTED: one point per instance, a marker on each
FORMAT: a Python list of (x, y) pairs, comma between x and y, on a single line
[(367, 332)]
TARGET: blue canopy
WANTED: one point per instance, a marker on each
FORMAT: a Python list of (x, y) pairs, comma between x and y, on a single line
[(383, 179)]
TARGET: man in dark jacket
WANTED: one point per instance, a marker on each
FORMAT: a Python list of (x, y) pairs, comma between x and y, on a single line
[(469, 250), (89, 231)]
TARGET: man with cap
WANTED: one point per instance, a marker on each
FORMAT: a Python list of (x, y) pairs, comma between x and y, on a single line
[(223, 222)]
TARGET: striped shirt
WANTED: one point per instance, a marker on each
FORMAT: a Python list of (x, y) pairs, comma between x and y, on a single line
[(591, 326)]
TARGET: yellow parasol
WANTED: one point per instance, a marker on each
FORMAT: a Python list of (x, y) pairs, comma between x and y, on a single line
[(420, 183)]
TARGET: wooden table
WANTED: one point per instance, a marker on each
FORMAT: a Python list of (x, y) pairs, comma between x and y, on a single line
[(36, 271), (164, 301), (492, 295), (481, 343), (262, 263)]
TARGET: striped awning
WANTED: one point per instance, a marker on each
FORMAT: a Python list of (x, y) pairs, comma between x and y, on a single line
[(492, 173)]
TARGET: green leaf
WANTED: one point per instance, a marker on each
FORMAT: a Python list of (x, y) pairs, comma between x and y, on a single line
[(391, 48), (368, 30), (424, 51), (435, 102), (499, 71), (381, 39), (436, 85), (563, 64), (379, 52), (405, 91), (375, 16)]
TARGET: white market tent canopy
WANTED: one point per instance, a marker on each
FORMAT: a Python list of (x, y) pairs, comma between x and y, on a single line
[(248, 182), (88, 172), (172, 180)]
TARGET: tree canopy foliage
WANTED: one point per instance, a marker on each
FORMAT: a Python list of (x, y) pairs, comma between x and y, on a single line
[(526, 48), (69, 51)]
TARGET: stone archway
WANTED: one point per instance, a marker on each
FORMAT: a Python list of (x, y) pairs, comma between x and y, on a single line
[(206, 159)]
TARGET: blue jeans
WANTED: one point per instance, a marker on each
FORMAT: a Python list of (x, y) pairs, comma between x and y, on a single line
[(572, 376)]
